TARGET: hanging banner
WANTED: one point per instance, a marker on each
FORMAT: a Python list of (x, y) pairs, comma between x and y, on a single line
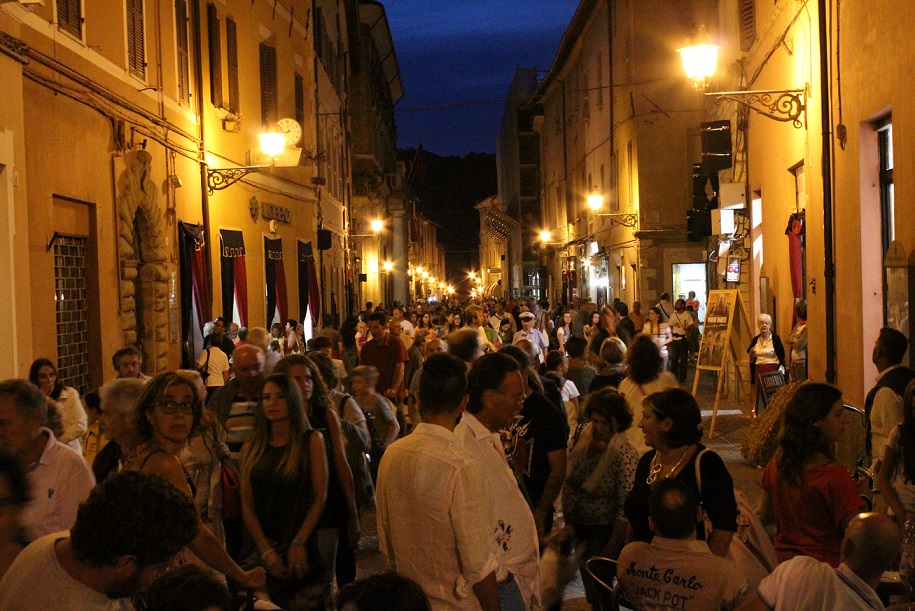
[(234, 276), (309, 293), (276, 281)]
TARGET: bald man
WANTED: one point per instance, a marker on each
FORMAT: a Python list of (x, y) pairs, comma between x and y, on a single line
[(869, 548)]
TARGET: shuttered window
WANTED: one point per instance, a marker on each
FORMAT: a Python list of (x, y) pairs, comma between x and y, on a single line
[(136, 50), (747, 24), (232, 65), (300, 100), (215, 55), (184, 76), (69, 17), (268, 85)]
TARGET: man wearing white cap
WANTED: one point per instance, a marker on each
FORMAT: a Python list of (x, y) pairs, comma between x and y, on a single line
[(528, 332)]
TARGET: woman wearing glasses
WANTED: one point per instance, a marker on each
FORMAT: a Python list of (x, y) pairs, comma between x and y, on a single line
[(168, 411)]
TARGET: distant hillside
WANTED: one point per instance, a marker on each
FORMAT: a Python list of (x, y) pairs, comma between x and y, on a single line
[(448, 188)]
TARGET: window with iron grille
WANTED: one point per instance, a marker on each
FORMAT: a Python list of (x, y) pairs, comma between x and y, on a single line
[(69, 17), (747, 24), (136, 51), (215, 48), (72, 312), (887, 191), (184, 76), (268, 85), (232, 65)]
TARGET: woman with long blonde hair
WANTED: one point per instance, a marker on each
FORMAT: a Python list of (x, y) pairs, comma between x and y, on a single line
[(283, 493)]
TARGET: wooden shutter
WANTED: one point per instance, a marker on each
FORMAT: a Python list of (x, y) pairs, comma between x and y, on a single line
[(136, 56), (747, 24), (232, 65), (69, 17), (268, 85), (215, 55), (300, 100), (184, 76)]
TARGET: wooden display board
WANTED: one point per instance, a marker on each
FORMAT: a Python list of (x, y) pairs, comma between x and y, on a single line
[(725, 335)]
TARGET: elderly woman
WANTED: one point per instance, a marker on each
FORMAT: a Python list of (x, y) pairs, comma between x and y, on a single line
[(672, 424), (73, 419), (767, 354), (168, 412), (599, 476), (811, 497), (646, 376)]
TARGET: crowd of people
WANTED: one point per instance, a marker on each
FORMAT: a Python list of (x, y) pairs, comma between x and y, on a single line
[(487, 437)]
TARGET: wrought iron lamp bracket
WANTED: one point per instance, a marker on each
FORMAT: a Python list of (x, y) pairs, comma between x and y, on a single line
[(785, 105), (221, 178), (630, 220)]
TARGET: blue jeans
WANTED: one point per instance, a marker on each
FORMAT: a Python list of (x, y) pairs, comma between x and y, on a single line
[(510, 596)]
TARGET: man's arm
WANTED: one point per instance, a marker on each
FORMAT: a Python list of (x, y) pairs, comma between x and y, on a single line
[(886, 413), (557, 459)]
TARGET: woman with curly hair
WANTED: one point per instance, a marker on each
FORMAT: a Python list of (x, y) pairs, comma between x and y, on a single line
[(283, 492), (896, 478), (811, 497), (73, 419), (646, 376), (600, 472), (168, 412)]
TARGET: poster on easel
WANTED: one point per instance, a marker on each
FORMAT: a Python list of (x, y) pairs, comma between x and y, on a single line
[(725, 334)]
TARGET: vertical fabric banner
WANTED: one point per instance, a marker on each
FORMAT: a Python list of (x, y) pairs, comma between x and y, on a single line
[(195, 291), (309, 293), (276, 280), (234, 275)]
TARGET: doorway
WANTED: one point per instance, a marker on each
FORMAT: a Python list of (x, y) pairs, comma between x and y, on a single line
[(690, 277)]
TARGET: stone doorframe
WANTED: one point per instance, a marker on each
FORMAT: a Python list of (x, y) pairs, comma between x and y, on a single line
[(140, 221)]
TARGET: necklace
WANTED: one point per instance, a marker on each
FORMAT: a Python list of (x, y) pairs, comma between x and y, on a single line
[(655, 473)]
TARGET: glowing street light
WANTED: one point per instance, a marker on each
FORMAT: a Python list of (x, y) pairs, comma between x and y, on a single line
[(595, 200), (388, 266), (699, 59), (545, 235), (377, 225)]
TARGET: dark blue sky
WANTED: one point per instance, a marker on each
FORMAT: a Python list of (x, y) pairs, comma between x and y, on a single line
[(465, 51)]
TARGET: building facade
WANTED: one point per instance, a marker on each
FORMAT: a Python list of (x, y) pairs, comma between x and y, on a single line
[(121, 131)]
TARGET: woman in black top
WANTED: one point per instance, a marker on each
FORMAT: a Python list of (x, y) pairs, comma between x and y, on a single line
[(672, 424)]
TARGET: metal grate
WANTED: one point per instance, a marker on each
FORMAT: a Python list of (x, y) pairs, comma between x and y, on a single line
[(72, 312)]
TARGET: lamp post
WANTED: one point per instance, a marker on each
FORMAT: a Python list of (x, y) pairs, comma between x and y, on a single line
[(596, 202)]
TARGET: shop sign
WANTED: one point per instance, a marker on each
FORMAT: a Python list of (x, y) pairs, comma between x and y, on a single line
[(274, 212)]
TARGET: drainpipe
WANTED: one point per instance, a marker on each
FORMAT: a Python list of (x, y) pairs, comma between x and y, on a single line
[(826, 162), (201, 147)]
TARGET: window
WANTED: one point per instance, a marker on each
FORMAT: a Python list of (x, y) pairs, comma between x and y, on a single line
[(300, 101), (232, 65), (747, 10), (136, 55), (215, 46), (69, 17), (70, 296), (184, 77), (887, 195), (268, 85)]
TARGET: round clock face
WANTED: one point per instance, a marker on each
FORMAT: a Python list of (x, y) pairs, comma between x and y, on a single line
[(291, 130)]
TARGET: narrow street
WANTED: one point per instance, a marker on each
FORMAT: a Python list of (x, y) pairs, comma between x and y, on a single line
[(730, 430)]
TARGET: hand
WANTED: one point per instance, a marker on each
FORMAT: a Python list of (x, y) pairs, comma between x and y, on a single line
[(354, 529), (298, 561), (540, 516), (274, 565), (256, 577)]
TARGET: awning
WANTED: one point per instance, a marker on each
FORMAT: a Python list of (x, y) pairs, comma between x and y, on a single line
[(497, 225)]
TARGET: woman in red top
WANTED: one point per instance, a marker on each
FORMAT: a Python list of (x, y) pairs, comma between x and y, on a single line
[(811, 496)]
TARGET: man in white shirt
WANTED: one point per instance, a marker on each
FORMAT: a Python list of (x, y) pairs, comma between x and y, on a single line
[(59, 477), (870, 547), (495, 395), (883, 405), (433, 502), (406, 325), (665, 307), (528, 332), (127, 533)]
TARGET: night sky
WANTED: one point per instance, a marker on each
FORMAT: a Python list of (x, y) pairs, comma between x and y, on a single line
[(466, 51)]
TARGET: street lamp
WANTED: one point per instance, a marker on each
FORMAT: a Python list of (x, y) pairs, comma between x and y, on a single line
[(377, 225), (376, 229), (596, 202), (273, 143), (388, 266), (785, 105)]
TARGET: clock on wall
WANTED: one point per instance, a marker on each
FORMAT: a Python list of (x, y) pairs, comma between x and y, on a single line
[(292, 131)]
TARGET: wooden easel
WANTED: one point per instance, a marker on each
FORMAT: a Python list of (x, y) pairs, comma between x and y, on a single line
[(726, 331)]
